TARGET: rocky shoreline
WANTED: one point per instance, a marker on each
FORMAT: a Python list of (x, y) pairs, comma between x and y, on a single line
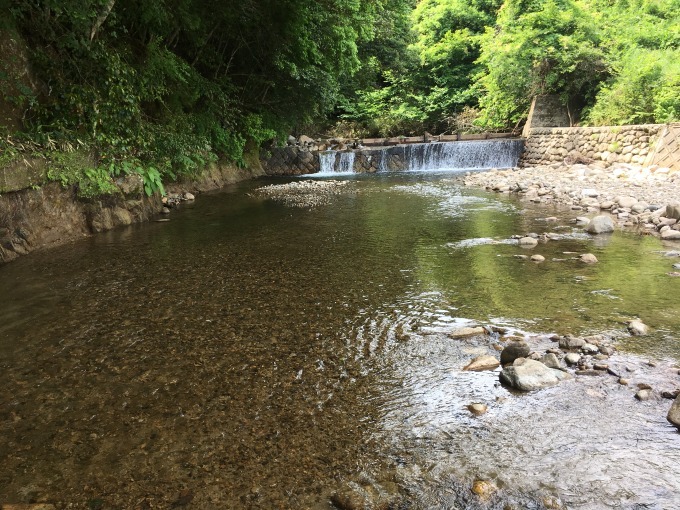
[(634, 197)]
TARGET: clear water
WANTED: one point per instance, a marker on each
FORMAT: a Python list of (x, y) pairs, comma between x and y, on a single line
[(251, 355)]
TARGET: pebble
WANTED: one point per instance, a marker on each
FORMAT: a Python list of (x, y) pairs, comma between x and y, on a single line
[(477, 409), (588, 258), (538, 258), (644, 395), (483, 488)]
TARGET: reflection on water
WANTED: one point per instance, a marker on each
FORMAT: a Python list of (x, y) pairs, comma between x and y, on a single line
[(250, 355)]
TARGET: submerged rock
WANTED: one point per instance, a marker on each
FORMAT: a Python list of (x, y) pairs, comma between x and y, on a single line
[(637, 328), (588, 258), (481, 363), (467, 331), (530, 375), (527, 242)]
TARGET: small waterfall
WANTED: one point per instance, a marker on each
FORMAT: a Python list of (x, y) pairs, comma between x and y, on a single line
[(333, 162), (470, 155), (421, 157)]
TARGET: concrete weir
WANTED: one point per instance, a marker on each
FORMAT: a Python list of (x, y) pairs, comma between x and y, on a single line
[(463, 155)]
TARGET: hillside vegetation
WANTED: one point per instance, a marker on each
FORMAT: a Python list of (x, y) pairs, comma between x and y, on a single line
[(163, 88)]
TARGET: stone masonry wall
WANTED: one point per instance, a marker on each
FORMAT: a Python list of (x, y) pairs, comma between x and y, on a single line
[(289, 161), (620, 144)]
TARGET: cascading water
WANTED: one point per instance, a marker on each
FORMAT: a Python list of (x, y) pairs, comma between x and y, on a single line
[(464, 155), (333, 162), (470, 155)]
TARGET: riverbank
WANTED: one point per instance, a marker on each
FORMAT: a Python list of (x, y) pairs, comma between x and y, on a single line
[(47, 214), (636, 197)]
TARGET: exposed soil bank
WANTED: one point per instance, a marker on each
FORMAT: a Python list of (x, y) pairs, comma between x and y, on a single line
[(51, 215)]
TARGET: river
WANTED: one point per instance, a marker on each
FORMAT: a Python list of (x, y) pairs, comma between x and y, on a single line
[(249, 354)]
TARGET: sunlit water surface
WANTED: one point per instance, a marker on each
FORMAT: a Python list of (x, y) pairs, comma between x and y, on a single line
[(247, 354)]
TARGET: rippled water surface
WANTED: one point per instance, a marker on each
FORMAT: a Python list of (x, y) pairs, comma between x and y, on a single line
[(247, 354)]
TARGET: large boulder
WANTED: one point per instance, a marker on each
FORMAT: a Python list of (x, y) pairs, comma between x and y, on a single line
[(529, 375), (513, 351), (600, 225), (674, 412)]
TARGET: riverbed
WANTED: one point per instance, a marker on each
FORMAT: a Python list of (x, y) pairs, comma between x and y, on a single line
[(251, 353)]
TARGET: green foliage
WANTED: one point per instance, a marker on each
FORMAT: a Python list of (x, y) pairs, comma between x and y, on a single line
[(541, 47), (175, 86), (73, 169)]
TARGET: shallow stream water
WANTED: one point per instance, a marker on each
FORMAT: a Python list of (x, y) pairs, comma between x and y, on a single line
[(248, 354)]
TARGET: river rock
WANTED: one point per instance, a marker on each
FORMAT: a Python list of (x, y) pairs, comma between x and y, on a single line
[(590, 348), (674, 413), (588, 258), (572, 358), (626, 202), (582, 221), (477, 409), (527, 242), (670, 235), (638, 328), (673, 211), (528, 375), (467, 331), (481, 363), (600, 225), (189, 196), (550, 360), (644, 395), (513, 351), (538, 258), (571, 342), (483, 488)]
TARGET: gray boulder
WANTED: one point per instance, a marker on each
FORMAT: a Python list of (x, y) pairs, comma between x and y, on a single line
[(670, 235), (550, 360), (674, 413), (571, 342), (673, 210), (530, 375), (527, 242), (513, 351), (600, 225)]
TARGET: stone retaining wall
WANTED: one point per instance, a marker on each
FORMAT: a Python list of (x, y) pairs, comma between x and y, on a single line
[(620, 144), (289, 161)]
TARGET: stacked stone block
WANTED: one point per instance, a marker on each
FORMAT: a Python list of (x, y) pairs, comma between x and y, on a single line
[(620, 144)]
